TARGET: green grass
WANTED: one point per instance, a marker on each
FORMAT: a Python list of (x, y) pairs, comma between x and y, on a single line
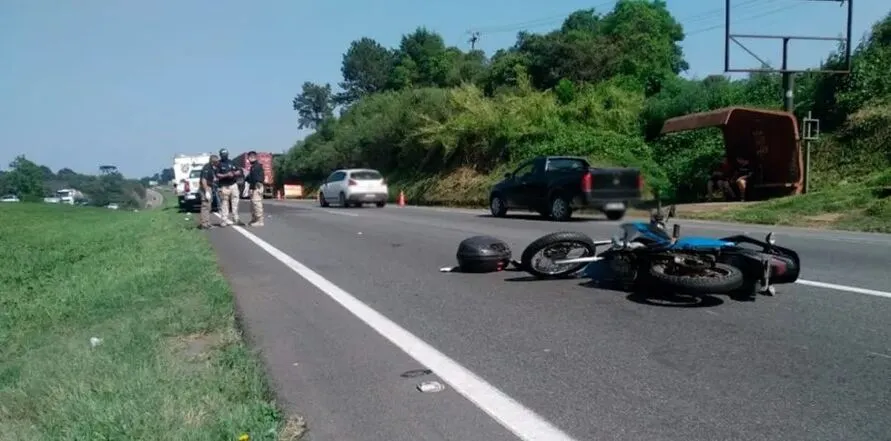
[(171, 364), (856, 206)]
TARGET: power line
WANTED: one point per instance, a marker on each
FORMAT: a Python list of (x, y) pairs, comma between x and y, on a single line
[(553, 19), (753, 17), (705, 16)]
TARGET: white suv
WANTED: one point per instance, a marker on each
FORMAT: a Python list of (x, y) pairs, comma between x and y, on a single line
[(354, 186)]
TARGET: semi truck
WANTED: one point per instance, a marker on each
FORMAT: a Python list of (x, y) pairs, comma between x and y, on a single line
[(265, 160)]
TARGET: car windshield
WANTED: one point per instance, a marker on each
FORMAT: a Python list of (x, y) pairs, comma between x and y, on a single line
[(366, 175)]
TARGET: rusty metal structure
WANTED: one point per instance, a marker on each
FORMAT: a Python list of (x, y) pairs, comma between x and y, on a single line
[(768, 137), (785, 70)]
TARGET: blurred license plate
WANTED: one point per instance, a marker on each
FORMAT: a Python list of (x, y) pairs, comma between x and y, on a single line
[(369, 196), (190, 196), (615, 206)]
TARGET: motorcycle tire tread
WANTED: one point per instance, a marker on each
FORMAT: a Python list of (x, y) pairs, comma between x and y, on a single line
[(561, 236), (700, 285)]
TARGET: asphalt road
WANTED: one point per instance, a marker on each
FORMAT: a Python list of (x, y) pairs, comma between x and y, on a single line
[(809, 364)]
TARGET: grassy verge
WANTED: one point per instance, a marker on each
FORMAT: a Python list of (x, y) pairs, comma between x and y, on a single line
[(856, 206), (170, 364)]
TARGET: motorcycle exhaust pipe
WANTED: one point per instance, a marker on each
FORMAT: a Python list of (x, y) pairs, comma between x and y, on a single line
[(676, 231)]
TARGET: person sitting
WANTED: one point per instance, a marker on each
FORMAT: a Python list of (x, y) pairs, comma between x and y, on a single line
[(719, 180), (742, 172)]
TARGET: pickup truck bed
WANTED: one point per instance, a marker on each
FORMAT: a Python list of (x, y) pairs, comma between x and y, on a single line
[(554, 186)]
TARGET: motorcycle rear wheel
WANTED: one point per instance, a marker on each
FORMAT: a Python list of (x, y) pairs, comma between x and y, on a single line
[(551, 243), (723, 280)]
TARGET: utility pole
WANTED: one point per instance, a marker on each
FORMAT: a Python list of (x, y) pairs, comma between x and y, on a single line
[(788, 80), (810, 125)]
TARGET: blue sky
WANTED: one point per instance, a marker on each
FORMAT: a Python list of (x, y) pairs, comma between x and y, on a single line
[(132, 83)]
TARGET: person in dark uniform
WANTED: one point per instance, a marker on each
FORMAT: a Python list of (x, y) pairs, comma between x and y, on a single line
[(206, 185), (227, 178), (255, 178)]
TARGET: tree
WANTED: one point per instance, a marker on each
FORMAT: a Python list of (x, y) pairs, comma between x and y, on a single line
[(108, 169), (367, 68), (25, 180), (424, 60), (314, 104), (167, 175), (66, 173)]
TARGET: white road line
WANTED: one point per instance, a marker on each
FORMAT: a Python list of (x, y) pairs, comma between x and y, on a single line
[(869, 292), (341, 213), (520, 420)]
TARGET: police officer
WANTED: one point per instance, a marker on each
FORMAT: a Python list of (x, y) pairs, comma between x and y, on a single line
[(255, 178), (206, 185), (227, 179)]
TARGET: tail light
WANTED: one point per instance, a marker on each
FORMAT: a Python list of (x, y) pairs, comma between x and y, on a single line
[(640, 182), (186, 186), (352, 183), (587, 182)]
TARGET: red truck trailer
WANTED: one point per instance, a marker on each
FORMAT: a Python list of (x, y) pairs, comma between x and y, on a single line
[(265, 159)]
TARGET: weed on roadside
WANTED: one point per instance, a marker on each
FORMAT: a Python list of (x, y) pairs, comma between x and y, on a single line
[(117, 325)]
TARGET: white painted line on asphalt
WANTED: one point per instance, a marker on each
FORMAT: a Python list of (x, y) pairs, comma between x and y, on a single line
[(877, 354), (854, 289), (341, 213), (520, 420)]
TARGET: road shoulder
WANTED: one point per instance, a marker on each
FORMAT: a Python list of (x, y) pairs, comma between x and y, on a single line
[(328, 366)]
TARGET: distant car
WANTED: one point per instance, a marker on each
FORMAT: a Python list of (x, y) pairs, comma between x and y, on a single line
[(354, 187), (112, 206), (10, 198)]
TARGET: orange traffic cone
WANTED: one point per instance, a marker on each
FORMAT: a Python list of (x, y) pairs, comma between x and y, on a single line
[(401, 200)]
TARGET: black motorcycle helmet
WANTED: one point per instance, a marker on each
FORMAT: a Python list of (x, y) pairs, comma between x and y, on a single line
[(224, 154)]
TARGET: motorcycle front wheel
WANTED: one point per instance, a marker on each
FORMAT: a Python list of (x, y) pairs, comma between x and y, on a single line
[(538, 258), (719, 279)]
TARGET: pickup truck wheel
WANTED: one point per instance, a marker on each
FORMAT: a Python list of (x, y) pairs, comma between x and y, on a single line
[(561, 210), (497, 206), (615, 214)]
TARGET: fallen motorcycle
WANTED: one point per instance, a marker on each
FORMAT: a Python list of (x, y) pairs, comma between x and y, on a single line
[(646, 256)]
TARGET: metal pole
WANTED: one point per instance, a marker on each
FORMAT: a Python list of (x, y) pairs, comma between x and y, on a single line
[(788, 94), (849, 44), (727, 35), (807, 166)]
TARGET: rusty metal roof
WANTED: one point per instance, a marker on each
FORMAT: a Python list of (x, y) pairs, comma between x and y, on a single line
[(719, 118)]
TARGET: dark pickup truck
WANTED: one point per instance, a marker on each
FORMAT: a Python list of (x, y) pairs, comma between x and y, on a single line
[(554, 185)]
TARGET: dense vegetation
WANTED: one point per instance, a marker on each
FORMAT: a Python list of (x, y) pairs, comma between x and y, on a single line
[(443, 123), (32, 182)]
